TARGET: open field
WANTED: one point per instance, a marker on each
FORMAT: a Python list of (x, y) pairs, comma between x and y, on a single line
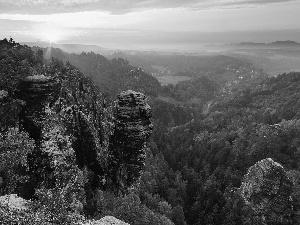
[(165, 80)]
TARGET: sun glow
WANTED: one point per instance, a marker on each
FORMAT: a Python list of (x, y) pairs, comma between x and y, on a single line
[(52, 36)]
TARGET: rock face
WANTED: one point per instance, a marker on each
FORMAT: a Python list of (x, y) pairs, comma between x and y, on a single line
[(267, 190), (133, 126), (36, 91)]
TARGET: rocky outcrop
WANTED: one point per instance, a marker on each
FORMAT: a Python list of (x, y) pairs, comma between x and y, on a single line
[(13, 202), (133, 126), (117, 165), (3, 94), (14, 209), (36, 91), (107, 220), (267, 190)]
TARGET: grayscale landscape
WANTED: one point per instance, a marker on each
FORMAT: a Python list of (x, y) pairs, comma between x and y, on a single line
[(150, 112)]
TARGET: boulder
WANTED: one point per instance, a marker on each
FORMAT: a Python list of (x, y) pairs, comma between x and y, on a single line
[(3, 94), (267, 190), (14, 202)]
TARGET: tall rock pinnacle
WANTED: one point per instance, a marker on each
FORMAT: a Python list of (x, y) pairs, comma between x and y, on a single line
[(133, 127)]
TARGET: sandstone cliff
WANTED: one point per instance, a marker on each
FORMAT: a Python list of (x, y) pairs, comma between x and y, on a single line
[(36, 91)]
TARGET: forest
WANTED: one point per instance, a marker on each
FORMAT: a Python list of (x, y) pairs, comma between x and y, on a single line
[(207, 132)]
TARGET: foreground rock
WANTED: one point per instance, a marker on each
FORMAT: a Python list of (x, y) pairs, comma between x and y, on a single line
[(16, 210), (267, 190), (13, 202)]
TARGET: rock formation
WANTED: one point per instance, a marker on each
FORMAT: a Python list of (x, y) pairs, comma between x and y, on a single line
[(267, 190), (107, 220), (133, 126), (14, 202), (14, 209), (36, 91), (121, 163), (3, 94)]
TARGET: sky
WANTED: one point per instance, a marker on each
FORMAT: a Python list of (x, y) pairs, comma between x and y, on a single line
[(150, 24)]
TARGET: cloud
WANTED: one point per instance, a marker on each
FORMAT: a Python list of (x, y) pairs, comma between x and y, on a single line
[(120, 6), (243, 3)]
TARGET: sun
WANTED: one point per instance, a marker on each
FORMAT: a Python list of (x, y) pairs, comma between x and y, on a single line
[(51, 36)]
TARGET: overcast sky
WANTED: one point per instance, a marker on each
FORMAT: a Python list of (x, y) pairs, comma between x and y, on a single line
[(150, 23)]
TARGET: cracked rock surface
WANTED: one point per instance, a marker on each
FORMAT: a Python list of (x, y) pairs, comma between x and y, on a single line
[(267, 190)]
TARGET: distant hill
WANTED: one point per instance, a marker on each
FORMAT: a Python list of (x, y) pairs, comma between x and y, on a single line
[(71, 48), (274, 58), (278, 97), (276, 44), (160, 65), (284, 44)]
